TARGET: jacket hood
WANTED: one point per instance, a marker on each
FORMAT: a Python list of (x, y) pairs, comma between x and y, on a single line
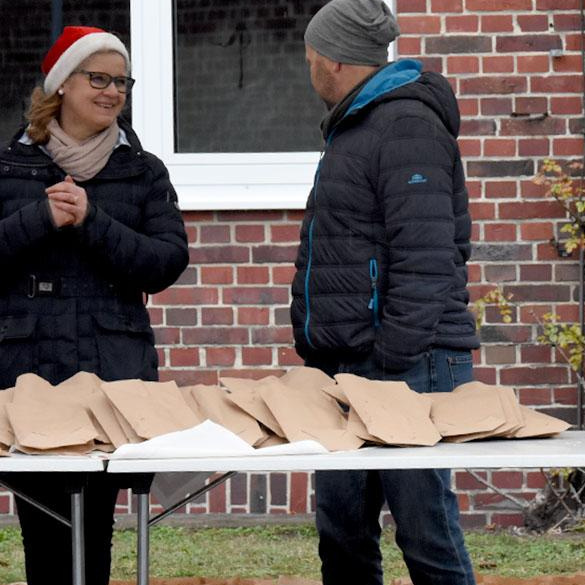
[(399, 80)]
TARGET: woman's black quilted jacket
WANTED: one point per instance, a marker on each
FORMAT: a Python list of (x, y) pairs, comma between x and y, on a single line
[(72, 299)]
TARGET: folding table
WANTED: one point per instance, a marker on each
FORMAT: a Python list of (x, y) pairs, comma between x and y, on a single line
[(565, 450), (78, 467)]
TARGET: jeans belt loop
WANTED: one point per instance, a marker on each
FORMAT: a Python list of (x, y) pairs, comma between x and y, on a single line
[(31, 286)]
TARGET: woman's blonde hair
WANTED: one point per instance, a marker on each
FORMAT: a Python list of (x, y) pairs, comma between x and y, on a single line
[(42, 110)]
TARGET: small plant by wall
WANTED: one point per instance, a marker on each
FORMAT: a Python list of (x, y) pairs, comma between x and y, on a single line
[(562, 502), (495, 297), (565, 185)]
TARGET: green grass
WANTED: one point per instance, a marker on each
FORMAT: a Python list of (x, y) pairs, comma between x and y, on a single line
[(270, 551)]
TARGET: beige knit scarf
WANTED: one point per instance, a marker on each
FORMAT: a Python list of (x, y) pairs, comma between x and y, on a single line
[(82, 160)]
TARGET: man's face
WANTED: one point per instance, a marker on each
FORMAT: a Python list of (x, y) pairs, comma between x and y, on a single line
[(322, 77)]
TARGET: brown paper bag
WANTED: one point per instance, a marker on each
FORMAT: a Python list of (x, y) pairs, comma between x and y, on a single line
[(31, 386), (80, 388), (127, 428), (246, 394), (191, 402), (538, 424), (514, 415), (520, 421), (70, 450), (47, 420), (81, 384), (77, 389), (306, 379), (43, 426), (105, 413), (469, 409), (150, 408), (6, 433), (214, 404), (390, 411), (356, 425), (308, 414), (335, 391), (271, 440), (174, 399)]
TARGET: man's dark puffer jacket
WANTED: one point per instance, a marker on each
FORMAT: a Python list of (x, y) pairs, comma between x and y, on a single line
[(72, 299), (386, 236)]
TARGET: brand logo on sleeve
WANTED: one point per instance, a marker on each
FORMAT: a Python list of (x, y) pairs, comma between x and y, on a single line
[(417, 179)]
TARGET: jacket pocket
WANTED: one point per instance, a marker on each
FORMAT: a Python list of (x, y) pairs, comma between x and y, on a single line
[(17, 347), (125, 347)]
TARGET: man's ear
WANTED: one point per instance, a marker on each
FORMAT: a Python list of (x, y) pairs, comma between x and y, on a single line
[(337, 67)]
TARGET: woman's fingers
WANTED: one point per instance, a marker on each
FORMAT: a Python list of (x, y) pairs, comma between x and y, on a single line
[(72, 197), (64, 197), (61, 213), (65, 206)]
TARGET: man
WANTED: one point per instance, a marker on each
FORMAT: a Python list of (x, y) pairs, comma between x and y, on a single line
[(380, 287)]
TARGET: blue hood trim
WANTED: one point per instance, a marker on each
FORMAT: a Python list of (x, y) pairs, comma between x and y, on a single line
[(389, 78)]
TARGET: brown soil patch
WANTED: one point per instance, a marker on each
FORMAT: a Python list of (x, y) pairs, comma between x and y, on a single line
[(576, 579)]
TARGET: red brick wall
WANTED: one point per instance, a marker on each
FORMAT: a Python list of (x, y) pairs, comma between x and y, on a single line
[(228, 315), (515, 66)]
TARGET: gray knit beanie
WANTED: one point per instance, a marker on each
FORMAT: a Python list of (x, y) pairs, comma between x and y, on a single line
[(357, 32)]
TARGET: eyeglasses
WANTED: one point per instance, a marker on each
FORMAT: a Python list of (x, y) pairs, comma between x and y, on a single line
[(99, 80)]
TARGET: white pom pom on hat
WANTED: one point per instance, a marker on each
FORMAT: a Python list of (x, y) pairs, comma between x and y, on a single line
[(74, 45)]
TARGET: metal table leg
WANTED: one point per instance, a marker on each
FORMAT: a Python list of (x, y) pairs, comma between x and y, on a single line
[(141, 490), (76, 524), (143, 538), (77, 536), (140, 484)]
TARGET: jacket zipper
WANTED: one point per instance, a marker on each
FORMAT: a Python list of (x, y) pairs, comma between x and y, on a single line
[(373, 305), (310, 255)]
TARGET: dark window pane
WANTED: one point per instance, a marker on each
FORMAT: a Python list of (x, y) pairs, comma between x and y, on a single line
[(25, 37), (242, 83)]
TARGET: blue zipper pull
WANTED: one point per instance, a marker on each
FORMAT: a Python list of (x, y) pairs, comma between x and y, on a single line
[(373, 304)]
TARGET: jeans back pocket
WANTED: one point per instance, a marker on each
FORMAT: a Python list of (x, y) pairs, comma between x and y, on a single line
[(460, 368)]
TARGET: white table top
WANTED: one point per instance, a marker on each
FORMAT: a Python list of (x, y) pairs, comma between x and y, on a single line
[(565, 450), (58, 463)]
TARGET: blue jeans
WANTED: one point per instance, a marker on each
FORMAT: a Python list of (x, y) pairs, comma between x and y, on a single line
[(422, 504)]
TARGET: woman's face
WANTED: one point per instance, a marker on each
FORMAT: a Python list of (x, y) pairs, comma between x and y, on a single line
[(85, 111)]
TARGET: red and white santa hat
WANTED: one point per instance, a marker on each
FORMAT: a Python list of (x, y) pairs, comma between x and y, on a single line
[(76, 44)]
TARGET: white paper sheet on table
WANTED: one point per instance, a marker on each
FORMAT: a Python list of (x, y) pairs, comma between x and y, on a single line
[(208, 440)]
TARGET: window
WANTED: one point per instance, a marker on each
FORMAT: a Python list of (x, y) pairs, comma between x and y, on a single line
[(240, 80), (223, 97)]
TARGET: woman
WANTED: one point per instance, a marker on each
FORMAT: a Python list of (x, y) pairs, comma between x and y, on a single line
[(89, 223)]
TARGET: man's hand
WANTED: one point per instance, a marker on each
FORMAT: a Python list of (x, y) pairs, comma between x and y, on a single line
[(67, 203)]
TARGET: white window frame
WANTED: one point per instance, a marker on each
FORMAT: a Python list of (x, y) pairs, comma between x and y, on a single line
[(204, 181)]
